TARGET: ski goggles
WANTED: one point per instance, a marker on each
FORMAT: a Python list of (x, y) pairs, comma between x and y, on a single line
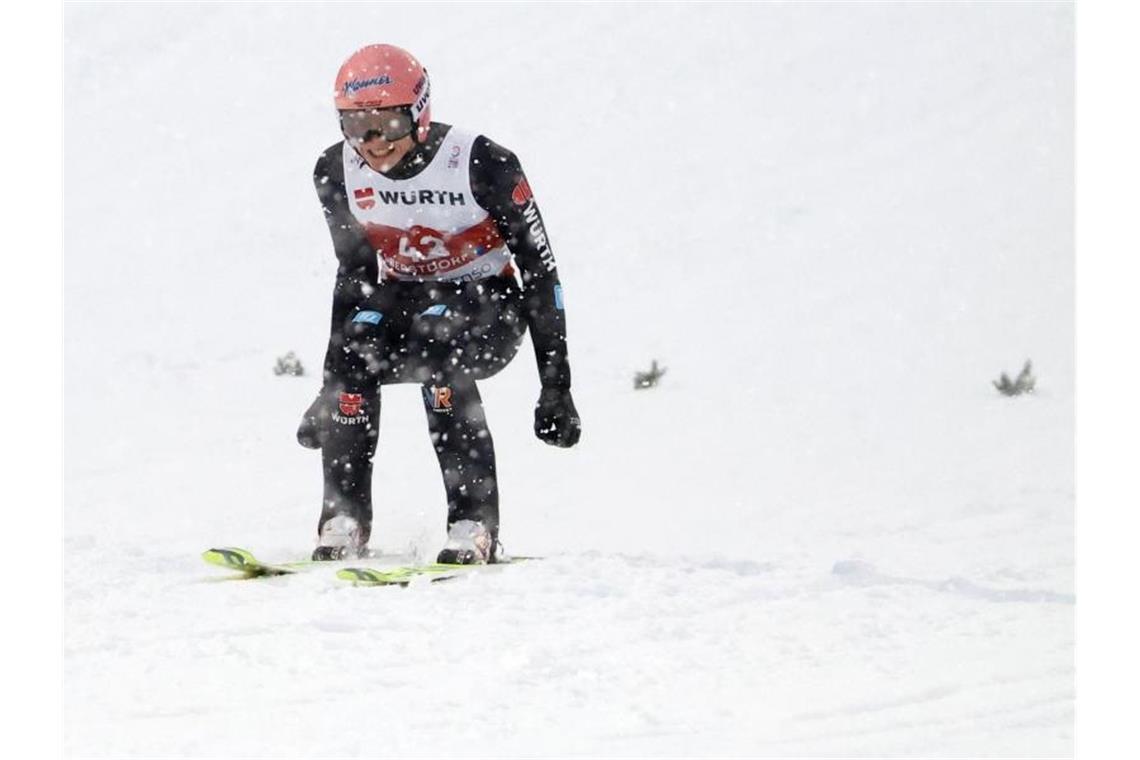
[(390, 123)]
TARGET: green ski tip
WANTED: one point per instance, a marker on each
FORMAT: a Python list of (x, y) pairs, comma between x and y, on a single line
[(244, 562)]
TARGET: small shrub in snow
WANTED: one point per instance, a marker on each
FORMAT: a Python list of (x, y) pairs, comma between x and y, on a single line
[(648, 379), (1024, 383), (289, 364)]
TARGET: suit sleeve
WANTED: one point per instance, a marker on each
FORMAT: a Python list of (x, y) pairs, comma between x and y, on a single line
[(357, 268), (500, 186)]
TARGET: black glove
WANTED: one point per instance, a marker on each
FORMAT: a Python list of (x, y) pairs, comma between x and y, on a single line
[(313, 430), (555, 418)]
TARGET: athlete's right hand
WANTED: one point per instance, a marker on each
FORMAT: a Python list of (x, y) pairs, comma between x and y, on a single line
[(555, 418), (311, 433)]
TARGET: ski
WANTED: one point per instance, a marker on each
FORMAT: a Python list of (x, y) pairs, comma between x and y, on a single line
[(408, 574), (243, 561), (400, 576), (248, 566), (386, 569)]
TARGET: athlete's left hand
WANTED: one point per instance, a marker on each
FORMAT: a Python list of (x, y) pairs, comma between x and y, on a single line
[(555, 418)]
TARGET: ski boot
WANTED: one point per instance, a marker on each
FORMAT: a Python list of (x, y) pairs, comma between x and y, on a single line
[(469, 543), (340, 539)]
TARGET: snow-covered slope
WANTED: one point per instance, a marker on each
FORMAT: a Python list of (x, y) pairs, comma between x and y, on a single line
[(824, 533)]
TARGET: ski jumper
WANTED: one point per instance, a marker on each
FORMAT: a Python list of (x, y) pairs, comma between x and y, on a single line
[(427, 292)]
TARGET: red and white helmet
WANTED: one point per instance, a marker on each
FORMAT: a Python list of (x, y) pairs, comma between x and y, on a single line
[(385, 76)]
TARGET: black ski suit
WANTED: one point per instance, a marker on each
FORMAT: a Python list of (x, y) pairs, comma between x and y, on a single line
[(442, 335)]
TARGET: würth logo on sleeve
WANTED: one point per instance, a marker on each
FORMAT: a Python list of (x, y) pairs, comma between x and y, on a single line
[(364, 198), (521, 193)]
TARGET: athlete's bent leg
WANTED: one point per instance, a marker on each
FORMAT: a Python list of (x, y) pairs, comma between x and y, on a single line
[(469, 331), (346, 461), (465, 451), (351, 407)]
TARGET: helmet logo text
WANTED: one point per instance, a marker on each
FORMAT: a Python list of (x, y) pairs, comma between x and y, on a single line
[(353, 85)]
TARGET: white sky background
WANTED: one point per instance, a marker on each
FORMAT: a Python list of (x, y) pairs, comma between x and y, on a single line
[(1107, 246)]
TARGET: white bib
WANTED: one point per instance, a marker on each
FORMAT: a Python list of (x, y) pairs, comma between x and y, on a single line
[(428, 227)]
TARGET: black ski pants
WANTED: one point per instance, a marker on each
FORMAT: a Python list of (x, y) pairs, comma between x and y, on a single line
[(443, 337)]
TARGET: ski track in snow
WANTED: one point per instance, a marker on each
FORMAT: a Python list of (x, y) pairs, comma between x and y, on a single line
[(823, 534)]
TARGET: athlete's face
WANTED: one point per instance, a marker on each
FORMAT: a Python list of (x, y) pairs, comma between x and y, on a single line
[(381, 137)]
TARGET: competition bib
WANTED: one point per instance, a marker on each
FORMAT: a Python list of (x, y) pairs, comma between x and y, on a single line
[(428, 227)]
